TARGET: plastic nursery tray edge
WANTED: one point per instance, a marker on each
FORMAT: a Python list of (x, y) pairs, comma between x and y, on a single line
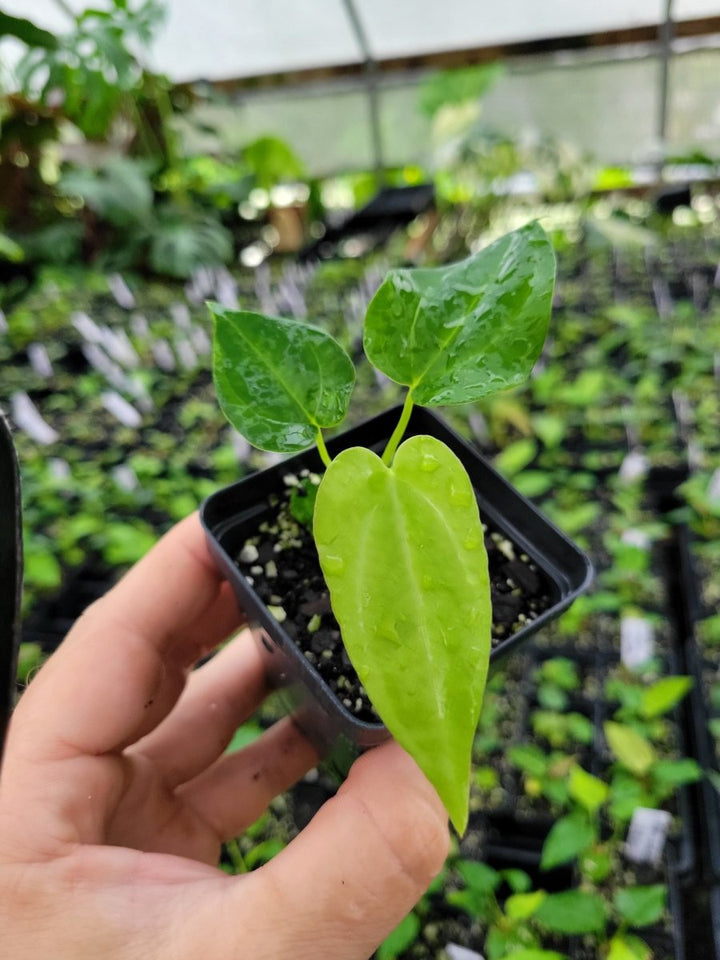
[(227, 512)]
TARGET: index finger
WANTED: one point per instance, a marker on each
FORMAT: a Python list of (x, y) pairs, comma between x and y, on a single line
[(124, 663)]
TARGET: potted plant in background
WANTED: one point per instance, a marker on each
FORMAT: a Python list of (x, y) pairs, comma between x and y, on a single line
[(399, 539)]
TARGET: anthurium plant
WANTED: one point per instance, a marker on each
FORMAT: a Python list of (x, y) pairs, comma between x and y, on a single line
[(399, 537)]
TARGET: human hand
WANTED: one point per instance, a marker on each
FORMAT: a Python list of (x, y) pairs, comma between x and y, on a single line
[(116, 795)]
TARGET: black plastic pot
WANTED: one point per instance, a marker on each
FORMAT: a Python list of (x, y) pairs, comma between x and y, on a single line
[(10, 574), (234, 513)]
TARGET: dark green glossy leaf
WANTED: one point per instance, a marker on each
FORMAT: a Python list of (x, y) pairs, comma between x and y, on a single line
[(278, 380), (26, 31), (403, 553), (455, 334)]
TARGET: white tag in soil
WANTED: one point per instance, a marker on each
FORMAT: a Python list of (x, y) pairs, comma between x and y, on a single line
[(120, 409), (637, 641), (455, 952), (27, 418), (636, 538), (39, 360), (713, 491), (634, 466), (647, 835)]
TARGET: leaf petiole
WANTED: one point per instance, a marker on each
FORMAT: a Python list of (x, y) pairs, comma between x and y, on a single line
[(322, 449), (399, 430)]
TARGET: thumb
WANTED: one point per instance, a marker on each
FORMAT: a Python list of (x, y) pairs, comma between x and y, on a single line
[(359, 867)]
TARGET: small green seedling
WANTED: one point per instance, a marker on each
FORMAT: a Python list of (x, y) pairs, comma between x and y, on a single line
[(399, 537)]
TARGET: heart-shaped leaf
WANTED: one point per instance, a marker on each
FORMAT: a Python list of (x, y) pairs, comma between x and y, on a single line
[(403, 553), (278, 380), (457, 333)]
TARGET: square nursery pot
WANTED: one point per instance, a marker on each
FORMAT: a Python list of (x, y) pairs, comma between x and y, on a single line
[(545, 561), (10, 573)]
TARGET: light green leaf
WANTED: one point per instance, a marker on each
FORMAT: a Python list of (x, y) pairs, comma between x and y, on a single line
[(408, 578), (516, 457), (663, 695), (641, 906), (536, 954), (278, 380), (589, 791), (573, 911), (517, 880), (529, 758), (520, 906), (455, 334), (676, 773), (567, 839), (624, 946), (402, 937), (478, 876), (632, 749)]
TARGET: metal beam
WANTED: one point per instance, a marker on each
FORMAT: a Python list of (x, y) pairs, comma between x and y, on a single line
[(370, 70), (665, 38)]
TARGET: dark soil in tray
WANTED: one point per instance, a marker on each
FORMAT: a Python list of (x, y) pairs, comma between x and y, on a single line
[(281, 564)]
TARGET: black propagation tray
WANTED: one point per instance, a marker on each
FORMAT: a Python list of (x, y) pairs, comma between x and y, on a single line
[(232, 514), (10, 573)]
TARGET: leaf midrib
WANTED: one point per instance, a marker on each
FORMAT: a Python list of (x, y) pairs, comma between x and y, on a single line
[(312, 419)]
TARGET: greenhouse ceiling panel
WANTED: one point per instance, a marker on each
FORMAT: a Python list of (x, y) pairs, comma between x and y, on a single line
[(226, 39)]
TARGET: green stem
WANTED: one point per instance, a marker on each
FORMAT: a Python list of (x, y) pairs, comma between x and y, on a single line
[(322, 449), (236, 857), (399, 430)]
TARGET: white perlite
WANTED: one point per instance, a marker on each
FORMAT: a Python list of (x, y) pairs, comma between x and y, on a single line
[(637, 641), (27, 418), (647, 834)]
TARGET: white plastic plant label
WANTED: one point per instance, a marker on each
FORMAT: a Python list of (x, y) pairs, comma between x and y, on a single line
[(28, 419), (163, 355), (455, 952), (120, 409), (647, 835), (39, 360), (636, 538), (121, 291), (634, 466), (713, 492), (637, 641)]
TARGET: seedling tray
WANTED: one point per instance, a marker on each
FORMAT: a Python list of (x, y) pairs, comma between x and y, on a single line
[(234, 513), (10, 573)]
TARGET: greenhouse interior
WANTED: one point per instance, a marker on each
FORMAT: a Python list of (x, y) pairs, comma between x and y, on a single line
[(485, 241)]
